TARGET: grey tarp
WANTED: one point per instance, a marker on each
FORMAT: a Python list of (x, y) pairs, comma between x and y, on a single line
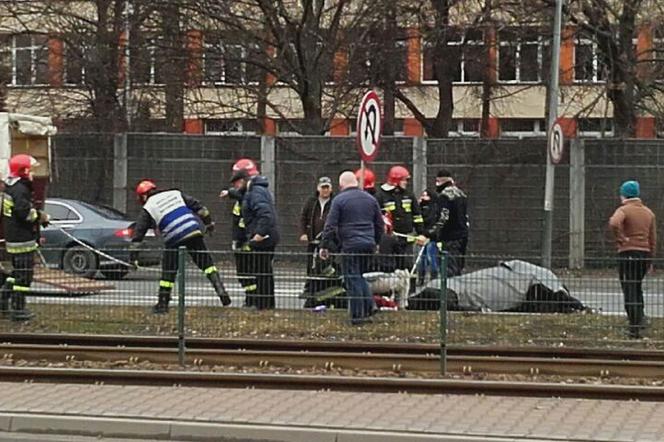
[(507, 286)]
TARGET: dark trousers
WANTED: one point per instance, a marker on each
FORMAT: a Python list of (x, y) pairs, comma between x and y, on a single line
[(23, 273), (357, 288), (169, 265), (16, 286), (456, 255), (261, 269), (403, 251), (311, 267), (632, 268), (247, 280)]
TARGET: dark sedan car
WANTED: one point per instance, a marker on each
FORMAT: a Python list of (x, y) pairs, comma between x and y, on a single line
[(101, 228)]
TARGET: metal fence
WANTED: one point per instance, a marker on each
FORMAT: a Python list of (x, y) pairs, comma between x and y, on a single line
[(504, 180), (495, 301)]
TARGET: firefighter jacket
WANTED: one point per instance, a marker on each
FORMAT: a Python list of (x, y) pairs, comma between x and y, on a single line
[(238, 233), (20, 217), (176, 216), (403, 209)]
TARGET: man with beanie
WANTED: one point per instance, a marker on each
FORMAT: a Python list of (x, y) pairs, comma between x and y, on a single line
[(451, 228), (634, 229)]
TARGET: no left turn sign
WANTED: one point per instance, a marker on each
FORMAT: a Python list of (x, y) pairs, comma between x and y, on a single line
[(369, 126), (556, 143)]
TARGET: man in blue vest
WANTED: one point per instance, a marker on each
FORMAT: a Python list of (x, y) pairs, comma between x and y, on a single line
[(178, 219)]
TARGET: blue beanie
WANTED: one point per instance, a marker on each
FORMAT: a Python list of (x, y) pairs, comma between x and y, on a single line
[(630, 189)]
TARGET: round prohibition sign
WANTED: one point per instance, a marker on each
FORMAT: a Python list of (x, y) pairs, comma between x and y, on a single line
[(556, 148), (369, 126)]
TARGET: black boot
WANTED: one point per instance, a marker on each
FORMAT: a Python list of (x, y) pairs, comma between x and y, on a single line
[(19, 311), (161, 307), (215, 279)]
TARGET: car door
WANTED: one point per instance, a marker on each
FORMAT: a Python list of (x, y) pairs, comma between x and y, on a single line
[(64, 218)]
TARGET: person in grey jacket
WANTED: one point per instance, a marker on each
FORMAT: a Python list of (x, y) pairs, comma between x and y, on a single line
[(355, 224)]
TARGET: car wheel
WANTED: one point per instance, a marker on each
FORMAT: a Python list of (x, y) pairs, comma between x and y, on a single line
[(80, 261), (115, 273)]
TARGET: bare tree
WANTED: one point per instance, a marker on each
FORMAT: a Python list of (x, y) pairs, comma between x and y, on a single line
[(289, 46)]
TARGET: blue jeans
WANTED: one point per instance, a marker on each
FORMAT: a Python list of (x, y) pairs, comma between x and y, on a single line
[(357, 288), (429, 259)]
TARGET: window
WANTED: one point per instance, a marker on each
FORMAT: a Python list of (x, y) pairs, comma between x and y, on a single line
[(521, 57), (658, 52), (232, 126), (74, 65), (589, 64), (369, 54), (226, 62), (147, 62), (659, 127), (595, 127), (522, 127), (60, 212), (468, 127), (292, 126), (467, 58), (25, 59)]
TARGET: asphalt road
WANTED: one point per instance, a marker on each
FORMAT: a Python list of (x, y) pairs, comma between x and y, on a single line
[(140, 288)]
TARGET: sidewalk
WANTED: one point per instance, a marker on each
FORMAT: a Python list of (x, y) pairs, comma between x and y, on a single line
[(177, 413)]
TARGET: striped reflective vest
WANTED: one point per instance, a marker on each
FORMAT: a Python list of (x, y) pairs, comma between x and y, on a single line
[(175, 221)]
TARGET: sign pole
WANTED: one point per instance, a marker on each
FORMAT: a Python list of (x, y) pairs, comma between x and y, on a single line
[(547, 237), (362, 174)]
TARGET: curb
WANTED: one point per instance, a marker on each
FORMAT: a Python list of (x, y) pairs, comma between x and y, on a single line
[(112, 427)]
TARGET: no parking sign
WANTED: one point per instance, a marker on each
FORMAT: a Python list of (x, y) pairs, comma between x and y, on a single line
[(369, 126)]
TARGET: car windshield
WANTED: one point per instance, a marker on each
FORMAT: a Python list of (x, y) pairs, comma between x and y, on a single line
[(106, 212)]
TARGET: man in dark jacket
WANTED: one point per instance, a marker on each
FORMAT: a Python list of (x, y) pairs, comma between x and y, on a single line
[(177, 217), (451, 228), (21, 225), (312, 220), (260, 221), (355, 223)]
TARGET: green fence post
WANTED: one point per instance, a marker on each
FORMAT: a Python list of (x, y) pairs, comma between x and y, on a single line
[(181, 307), (443, 313)]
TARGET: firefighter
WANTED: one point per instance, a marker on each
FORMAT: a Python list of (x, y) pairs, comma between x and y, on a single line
[(177, 217), (240, 242), (369, 180), (401, 205), (22, 221)]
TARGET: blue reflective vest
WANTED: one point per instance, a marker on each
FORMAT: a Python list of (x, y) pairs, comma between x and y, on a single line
[(173, 218)]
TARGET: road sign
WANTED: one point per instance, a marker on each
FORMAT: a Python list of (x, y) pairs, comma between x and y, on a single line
[(369, 126), (556, 143)]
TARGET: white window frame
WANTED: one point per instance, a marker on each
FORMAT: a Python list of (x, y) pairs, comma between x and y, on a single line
[(539, 42), (538, 130), (459, 132), (594, 133), (34, 51), (83, 70), (658, 56), (238, 123), (243, 65), (595, 54)]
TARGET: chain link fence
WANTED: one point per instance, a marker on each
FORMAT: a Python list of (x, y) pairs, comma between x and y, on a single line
[(495, 301), (504, 179)]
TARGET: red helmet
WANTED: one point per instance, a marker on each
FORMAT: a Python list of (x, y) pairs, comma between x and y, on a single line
[(247, 165), (20, 165), (143, 187), (397, 174), (369, 178)]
